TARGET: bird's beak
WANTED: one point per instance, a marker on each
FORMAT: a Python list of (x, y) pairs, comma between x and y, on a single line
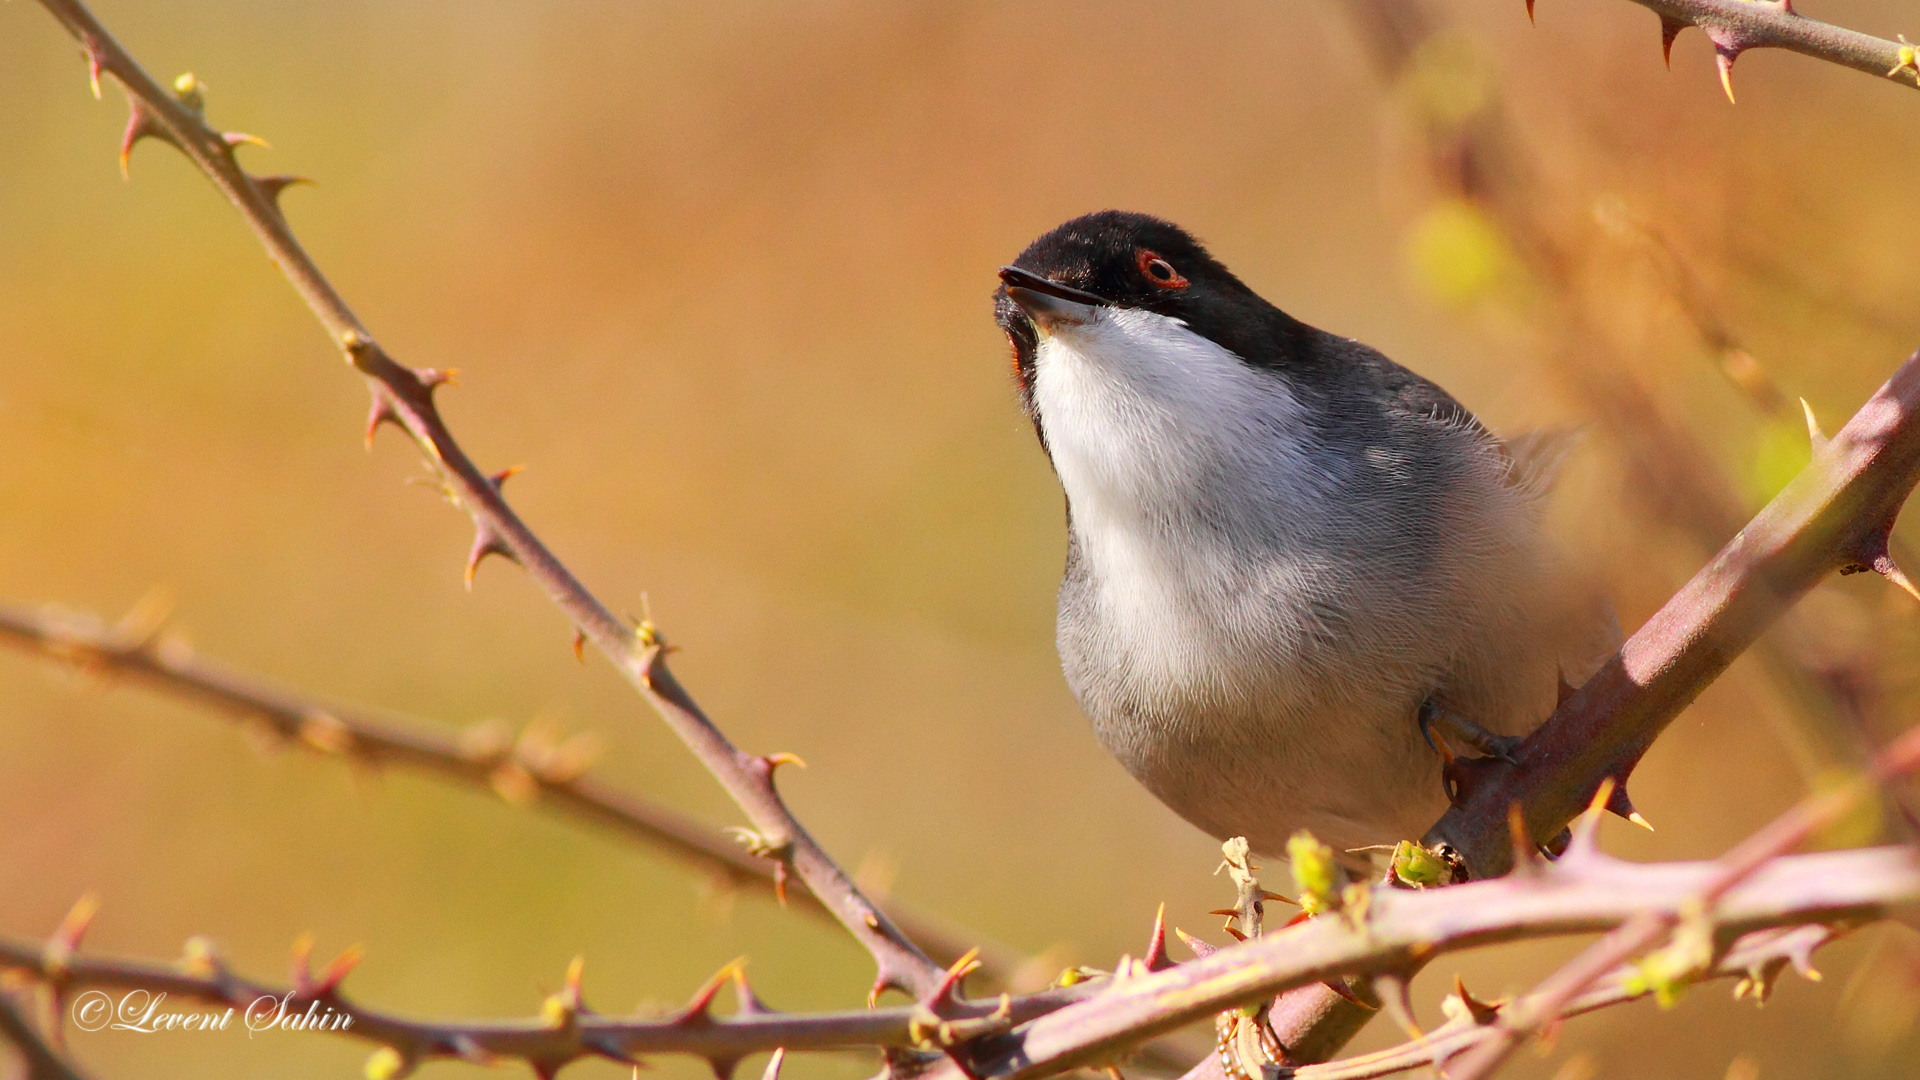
[(1048, 303)]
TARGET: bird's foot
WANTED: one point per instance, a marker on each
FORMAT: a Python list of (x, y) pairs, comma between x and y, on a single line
[(1458, 775)]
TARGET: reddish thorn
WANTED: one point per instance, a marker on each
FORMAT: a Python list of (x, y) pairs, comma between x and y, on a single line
[(272, 186), (1724, 58), (1201, 949), (1669, 29), (93, 65), (1156, 957), (1529, 12), (302, 964), (1234, 932), (1340, 987), (140, 125), (1526, 856), (880, 986), (1581, 840), (66, 937), (780, 882), (486, 542), (432, 379), (1618, 803), (381, 413), (505, 474), (697, 1009), (748, 1003), (241, 138), (947, 990), (1482, 1012), (723, 1067), (579, 645), (338, 970)]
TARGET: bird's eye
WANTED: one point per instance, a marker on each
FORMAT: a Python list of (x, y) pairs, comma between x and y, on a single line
[(1159, 271)]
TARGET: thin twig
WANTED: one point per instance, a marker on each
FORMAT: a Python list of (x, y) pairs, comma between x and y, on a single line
[(404, 396), (526, 771)]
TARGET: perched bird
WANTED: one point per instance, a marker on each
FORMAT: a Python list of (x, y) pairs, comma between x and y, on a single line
[(1288, 556)]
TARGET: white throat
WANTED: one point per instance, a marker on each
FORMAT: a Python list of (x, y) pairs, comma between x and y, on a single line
[(1186, 471)]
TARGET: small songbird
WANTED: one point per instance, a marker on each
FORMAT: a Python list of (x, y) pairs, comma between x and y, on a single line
[(1295, 569)]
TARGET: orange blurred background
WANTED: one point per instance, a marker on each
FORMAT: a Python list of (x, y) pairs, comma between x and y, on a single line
[(719, 275)]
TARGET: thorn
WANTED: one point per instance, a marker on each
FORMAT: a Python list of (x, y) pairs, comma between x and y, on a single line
[(1156, 958), (505, 474), (1669, 29), (1392, 992), (337, 971), (773, 1064), (241, 138), (696, 1011), (486, 542), (1482, 1012), (1619, 804), (432, 379), (570, 986), (381, 413), (948, 988), (579, 645), (93, 64), (1201, 950), (1887, 568), (1816, 437), (302, 967), (774, 761), (746, 1002), (880, 986), (1723, 57), (141, 124), (1582, 841), (1526, 856), (1265, 895), (780, 882), (1530, 21), (272, 186), (65, 939), (143, 622)]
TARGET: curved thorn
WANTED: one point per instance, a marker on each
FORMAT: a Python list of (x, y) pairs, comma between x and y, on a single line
[(1530, 12), (579, 645), (272, 186), (1393, 994), (140, 125), (1815, 437), (241, 138), (1669, 29), (773, 1064), (1156, 958), (382, 412), (338, 969), (486, 542), (1887, 568), (1723, 58), (697, 1009), (501, 477)]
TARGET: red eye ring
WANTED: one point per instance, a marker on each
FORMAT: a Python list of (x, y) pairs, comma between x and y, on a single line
[(1158, 270)]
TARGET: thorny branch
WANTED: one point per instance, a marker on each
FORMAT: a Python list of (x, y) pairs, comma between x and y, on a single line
[(1734, 26), (531, 770), (1756, 960), (1692, 945), (1393, 928), (404, 396)]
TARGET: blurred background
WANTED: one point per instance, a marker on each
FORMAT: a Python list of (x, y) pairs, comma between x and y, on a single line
[(719, 275)]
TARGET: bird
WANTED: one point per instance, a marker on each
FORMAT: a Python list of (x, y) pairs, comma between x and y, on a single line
[(1297, 574)]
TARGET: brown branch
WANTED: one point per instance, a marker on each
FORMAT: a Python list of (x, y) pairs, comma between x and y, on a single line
[(1064, 1027), (1784, 833), (43, 1062), (1734, 26), (1756, 959), (1836, 515), (1396, 929), (565, 1031), (404, 396), (524, 772)]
